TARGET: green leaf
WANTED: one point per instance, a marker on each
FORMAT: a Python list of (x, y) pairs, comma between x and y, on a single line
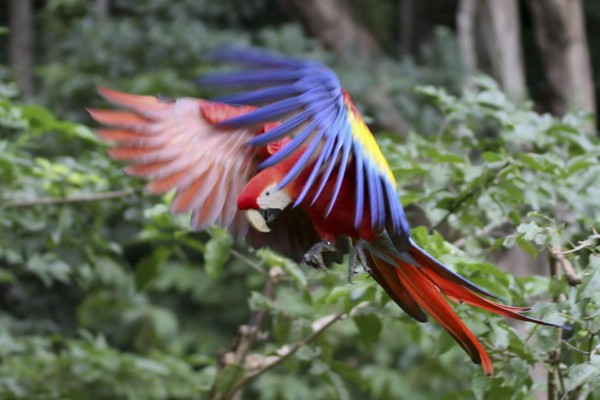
[(528, 247), (217, 252), (339, 385), (147, 268), (445, 157), (490, 157), (307, 353), (529, 230), (274, 260), (592, 287), (479, 385), (369, 328), (228, 377), (585, 373), (347, 290)]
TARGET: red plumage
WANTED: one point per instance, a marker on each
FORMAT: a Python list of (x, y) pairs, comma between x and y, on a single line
[(180, 145)]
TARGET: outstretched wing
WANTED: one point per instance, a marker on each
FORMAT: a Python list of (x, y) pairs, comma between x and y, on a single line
[(176, 144), (307, 97)]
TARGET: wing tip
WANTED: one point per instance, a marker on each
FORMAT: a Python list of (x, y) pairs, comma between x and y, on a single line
[(128, 99), (97, 114)]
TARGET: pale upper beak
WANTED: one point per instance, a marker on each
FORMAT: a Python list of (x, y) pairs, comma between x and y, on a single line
[(259, 219)]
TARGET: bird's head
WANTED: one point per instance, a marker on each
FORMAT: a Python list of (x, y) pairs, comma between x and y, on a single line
[(263, 201)]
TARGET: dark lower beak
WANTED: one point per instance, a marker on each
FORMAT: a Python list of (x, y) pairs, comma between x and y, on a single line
[(269, 214)]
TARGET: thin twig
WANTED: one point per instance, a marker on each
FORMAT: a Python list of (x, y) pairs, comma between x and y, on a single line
[(247, 335), (573, 278), (561, 377), (577, 349), (554, 373), (248, 261), (466, 196), (79, 198), (479, 232), (582, 245), (297, 346), (594, 350)]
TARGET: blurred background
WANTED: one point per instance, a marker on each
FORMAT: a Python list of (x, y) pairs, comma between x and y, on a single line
[(546, 51), (485, 110)]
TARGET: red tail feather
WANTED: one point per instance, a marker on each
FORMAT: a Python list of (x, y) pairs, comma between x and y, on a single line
[(421, 286), (429, 298)]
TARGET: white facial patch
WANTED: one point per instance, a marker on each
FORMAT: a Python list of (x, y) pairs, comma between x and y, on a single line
[(273, 198)]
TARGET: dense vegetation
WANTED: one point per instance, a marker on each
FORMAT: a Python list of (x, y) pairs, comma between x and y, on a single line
[(104, 295)]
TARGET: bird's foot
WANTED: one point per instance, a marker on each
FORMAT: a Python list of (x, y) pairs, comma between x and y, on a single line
[(357, 256), (314, 256)]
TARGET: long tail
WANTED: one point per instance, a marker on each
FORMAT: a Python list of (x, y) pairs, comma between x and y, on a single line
[(420, 284)]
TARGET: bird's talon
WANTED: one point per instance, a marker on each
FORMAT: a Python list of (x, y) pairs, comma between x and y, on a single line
[(367, 270), (357, 255), (314, 257)]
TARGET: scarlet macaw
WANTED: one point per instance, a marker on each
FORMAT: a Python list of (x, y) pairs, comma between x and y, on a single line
[(297, 157)]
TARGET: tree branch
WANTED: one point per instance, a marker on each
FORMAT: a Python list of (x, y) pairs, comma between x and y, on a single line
[(559, 255), (257, 267), (486, 230), (582, 245), (297, 346), (555, 376), (573, 278), (247, 335), (81, 198), (466, 196)]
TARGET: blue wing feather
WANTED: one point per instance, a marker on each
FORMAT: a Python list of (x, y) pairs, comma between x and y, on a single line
[(333, 156), (292, 146), (329, 169), (259, 96), (371, 180), (282, 130), (300, 92), (317, 167), (380, 203), (270, 112), (346, 147), (360, 195), (247, 78), (301, 163)]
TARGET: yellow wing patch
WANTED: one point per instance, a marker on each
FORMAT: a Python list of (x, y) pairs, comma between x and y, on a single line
[(362, 133)]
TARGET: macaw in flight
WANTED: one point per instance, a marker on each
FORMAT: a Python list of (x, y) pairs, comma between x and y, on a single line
[(293, 154)]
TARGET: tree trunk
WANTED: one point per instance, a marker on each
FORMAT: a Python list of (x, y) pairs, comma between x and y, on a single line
[(103, 8), (505, 46), (465, 24), (21, 44), (561, 38), (407, 26), (332, 22), (490, 41)]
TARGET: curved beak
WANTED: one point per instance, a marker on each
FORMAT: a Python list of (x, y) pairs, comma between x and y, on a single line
[(259, 219)]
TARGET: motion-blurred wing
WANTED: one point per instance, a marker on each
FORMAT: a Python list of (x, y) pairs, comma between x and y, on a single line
[(176, 145), (314, 109)]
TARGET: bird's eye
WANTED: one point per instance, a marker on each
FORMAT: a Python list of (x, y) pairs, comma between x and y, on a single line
[(267, 193)]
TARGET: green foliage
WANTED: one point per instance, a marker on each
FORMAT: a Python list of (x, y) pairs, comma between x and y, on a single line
[(99, 297), (104, 295), (114, 298)]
